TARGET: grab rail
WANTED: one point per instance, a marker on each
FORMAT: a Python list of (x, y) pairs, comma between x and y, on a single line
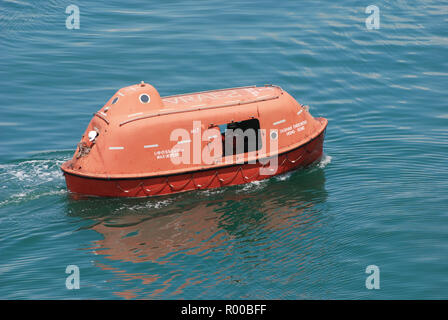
[(198, 109), (218, 90), (101, 117)]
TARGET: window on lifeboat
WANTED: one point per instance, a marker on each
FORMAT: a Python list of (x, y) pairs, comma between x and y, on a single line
[(240, 137)]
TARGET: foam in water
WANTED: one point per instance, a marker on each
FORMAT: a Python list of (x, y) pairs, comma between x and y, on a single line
[(254, 185), (32, 171), (283, 177), (212, 192), (150, 204), (30, 180), (326, 160)]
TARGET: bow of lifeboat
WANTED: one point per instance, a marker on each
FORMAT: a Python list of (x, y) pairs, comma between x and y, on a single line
[(139, 144)]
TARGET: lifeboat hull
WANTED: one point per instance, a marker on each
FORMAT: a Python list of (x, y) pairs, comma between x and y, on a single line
[(230, 175)]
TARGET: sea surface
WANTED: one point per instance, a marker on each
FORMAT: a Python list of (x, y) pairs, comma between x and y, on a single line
[(378, 197)]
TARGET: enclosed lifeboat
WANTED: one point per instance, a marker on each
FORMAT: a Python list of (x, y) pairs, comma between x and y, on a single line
[(139, 144)]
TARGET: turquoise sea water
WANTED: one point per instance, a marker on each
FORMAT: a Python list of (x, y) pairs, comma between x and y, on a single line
[(378, 197)]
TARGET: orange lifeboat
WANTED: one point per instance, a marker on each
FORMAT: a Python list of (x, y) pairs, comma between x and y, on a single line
[(140, 144)]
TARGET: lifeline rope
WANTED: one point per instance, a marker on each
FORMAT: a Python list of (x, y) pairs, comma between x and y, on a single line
[(198, 186)]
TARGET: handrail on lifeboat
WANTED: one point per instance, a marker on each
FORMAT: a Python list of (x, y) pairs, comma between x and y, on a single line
[(101, 117), (274, 86), (218, 90), (199, 108)]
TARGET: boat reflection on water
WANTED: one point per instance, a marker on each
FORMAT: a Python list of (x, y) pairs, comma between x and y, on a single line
[(165, 230)]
